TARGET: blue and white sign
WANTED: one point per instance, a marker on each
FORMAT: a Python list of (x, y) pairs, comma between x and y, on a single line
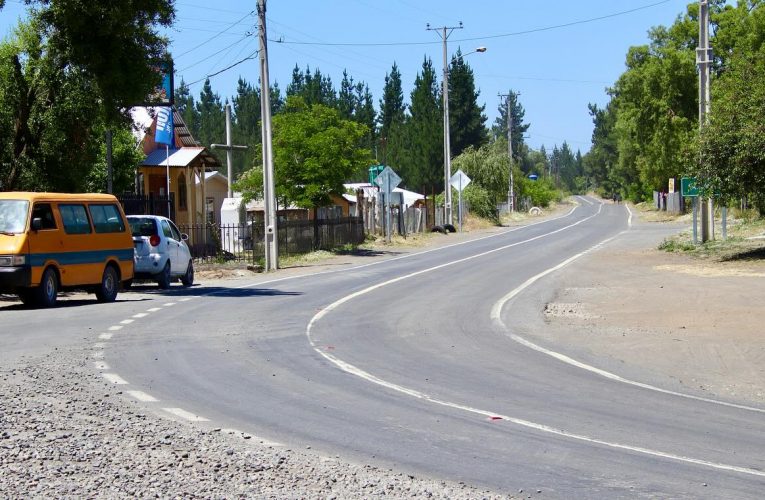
[(164, 133)]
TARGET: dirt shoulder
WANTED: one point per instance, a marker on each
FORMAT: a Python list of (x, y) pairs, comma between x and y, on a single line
[(694, 321)]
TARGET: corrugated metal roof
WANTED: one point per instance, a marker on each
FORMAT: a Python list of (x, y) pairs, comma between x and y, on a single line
[(182, 157)]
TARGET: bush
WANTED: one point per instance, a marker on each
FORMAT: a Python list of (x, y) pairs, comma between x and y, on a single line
[(541, 191)]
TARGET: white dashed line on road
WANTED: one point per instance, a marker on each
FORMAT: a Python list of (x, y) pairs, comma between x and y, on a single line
[(179, 412), (168, 304), (154, 309), (115, 328), (105, 336), (126, 321), (100, 365), (140, 315), (115, 379), (142, 396)]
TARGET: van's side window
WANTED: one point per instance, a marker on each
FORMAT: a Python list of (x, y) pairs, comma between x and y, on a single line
[(75, 219), (44, 212), (106, 219)]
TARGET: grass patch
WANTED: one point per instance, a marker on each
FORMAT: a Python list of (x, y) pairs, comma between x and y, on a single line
[(745, 242)]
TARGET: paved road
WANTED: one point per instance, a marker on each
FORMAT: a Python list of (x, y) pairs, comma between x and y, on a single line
[(414, 363)]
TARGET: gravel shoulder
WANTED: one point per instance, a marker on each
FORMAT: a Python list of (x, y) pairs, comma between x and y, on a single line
[(687, 321)]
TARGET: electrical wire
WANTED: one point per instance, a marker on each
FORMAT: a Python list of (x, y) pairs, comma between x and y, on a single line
[(248, 58), (216, 35), (228, 47), (487, 37)]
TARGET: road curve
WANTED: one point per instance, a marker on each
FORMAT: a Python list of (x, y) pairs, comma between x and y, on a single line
[(414, 363)]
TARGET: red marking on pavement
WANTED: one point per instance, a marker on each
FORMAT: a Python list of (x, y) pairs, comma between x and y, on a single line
[(495, 418), (330, 348)]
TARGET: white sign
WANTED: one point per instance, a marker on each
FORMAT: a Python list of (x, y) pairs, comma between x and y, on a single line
[(459, 180)]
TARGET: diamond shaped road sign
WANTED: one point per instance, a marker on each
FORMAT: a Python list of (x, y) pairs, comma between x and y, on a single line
[(459, 180), (387, 180)]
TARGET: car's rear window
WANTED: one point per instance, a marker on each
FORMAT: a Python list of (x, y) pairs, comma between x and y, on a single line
[(143, 226)]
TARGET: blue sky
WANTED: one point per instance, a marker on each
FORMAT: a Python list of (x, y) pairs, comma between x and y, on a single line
[(557, 71)]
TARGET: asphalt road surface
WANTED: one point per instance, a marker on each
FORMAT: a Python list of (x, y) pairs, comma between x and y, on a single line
[(414, 363)]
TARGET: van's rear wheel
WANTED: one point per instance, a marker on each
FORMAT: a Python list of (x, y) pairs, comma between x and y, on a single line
[(107, 291)]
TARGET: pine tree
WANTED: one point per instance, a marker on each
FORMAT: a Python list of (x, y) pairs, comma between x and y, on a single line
[(519, 128), (212, 119), (422, 167), (467, 123)]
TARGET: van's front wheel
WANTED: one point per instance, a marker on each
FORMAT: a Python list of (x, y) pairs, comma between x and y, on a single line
[(107, 291), (44, 295)]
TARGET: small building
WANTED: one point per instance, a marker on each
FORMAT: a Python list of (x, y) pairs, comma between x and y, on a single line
[(216, 190), (186, 160)]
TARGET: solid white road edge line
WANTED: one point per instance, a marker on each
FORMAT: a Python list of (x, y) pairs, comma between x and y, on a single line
[(496, 316), (393, 259), (353, 370)]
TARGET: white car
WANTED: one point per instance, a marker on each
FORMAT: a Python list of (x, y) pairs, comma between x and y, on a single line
[(161, 252)]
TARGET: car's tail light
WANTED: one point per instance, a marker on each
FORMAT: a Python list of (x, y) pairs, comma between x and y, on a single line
[(154, 240)]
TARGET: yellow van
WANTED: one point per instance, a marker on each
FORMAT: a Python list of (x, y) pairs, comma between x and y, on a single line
[(51, 242)]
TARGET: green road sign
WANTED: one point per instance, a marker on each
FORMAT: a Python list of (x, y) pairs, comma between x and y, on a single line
[(688, 186)]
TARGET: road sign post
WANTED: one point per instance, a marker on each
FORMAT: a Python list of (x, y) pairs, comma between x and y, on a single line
[(459, 181), (387, 180)]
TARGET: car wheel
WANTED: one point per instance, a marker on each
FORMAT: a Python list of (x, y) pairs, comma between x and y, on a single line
[(46, 294), (107, 292), (163, 280), (188, 278)]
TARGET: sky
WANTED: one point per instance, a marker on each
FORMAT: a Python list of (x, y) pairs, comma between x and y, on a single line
[(560, 55)]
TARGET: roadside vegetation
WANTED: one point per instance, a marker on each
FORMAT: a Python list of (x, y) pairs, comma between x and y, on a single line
[(745, 240)]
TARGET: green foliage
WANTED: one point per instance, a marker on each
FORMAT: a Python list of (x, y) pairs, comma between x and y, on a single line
[(466, 118), (420, 163), (115, 45), (674, 245), (542, 192), (479, 201), (732, 145), (315, 152), (487, 167), (519, 128), (66, 75)]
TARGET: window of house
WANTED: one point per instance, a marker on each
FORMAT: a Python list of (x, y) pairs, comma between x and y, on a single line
[(182, 192)]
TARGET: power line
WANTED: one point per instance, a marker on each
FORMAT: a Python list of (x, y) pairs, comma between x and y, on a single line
[(200, 61), (216, 35), (249, 57), (487, 37)]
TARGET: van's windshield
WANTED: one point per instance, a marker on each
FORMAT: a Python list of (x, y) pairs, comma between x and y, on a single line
[(13, 216)]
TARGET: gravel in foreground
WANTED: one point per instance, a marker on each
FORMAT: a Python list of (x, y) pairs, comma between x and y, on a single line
[(65, 433)]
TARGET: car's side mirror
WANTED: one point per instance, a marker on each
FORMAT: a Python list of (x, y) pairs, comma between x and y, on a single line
[(184, 236), (36, 224)]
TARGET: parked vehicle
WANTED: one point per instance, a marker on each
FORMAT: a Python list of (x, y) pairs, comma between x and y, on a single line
[(161, 252), (51, 242)]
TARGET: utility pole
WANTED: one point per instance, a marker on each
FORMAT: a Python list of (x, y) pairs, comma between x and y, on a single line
[(510, 190), (229, 148), (444, 33), (269, 197), (704, 59)]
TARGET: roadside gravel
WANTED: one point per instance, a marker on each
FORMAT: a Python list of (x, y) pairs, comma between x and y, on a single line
[(65, 433)]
